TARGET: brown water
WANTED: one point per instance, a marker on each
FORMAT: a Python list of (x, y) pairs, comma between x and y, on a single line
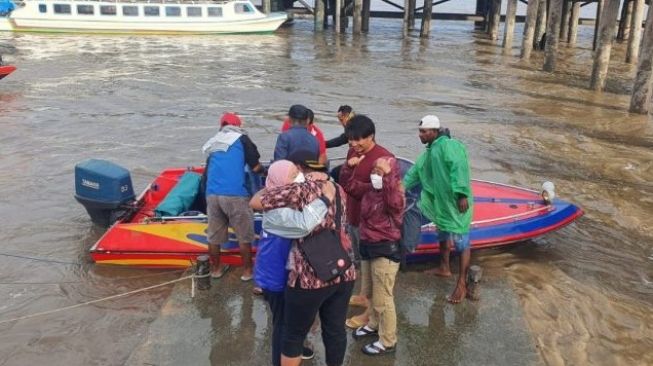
[(150, 102)]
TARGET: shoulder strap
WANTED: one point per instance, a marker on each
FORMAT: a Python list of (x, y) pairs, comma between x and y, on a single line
[(338, 207)]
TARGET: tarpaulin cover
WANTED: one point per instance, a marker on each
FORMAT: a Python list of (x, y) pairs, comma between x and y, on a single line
[(181, 197)]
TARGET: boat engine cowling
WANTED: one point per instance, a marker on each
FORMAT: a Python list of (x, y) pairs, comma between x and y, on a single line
[(105, 189)]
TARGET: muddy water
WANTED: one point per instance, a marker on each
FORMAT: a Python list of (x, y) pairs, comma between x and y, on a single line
[(150, 102)]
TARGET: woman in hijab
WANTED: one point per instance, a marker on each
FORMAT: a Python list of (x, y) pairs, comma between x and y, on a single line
[(280, 227)]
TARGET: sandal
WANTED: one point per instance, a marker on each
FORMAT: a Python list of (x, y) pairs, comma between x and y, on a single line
[(356, 321), (219, 272), (377, 349), (358, 300), (364, 331)]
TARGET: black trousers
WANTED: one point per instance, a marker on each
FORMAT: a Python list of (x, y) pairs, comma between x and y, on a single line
[(276, 302), (303, 305)]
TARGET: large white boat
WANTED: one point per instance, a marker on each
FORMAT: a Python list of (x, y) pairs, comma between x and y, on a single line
[(137, 16)]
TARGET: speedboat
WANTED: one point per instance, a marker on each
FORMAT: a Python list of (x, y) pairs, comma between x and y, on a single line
[(137, 16), (162, 228), (5, 70)]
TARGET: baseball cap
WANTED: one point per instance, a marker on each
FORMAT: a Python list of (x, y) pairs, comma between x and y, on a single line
[(230, 119), (298, 111), (307, 158), (429, 122)]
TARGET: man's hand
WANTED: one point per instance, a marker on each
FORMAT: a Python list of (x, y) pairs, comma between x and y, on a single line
[(329, 190), (355, 160), (463, 206), (384, 165)]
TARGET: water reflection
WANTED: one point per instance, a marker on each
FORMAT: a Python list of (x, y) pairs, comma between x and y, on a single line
[(150, 102)]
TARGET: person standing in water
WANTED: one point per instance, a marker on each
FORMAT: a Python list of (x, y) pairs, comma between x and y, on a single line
[(446, 199)]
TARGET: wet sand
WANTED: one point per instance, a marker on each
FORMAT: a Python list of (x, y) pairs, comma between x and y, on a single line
[(227, 325)]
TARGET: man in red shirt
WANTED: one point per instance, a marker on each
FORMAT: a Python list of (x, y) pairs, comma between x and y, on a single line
[(315, 131), (362, 154)]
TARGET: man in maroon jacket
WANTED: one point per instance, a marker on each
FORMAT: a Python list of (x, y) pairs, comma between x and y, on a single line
[(355, 179), (381, 216)]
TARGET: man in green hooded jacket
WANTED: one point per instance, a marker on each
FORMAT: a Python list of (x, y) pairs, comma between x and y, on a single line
[(447, 200)]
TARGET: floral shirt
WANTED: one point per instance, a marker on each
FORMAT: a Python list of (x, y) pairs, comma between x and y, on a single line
[(297, 196)]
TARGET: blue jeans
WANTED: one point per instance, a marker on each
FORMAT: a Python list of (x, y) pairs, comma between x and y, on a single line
[(460, 241)]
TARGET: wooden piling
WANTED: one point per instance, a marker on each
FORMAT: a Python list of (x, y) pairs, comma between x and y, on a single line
[(573, 23), (640, 102), (358, 26), (564, 23), (318, 20), (267, 6), (509, 30), (495, 19), (540, 25), (629, 18), (625, 18), (481, 10), (366, 15), (336, 16), (529, 29), (427, 13), (604, 46), (405, 27), (632, 53), (599, 10), (412, 5), (552, 35)]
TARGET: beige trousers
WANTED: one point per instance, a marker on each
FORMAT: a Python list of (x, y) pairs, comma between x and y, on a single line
[(383, 316)]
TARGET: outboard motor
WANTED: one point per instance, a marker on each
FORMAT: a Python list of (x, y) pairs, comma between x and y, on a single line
[(104, 188)]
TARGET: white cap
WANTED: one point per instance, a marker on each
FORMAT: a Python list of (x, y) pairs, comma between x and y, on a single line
[(429, 122)]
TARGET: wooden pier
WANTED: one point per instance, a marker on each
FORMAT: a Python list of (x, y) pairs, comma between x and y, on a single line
[(548, 23)]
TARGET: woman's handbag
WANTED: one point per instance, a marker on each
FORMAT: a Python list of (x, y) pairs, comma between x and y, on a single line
[(323, 250)]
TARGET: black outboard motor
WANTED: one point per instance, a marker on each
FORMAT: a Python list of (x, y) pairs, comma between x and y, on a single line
[(104, 188)]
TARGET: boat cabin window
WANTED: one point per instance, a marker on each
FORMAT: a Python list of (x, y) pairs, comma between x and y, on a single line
[(107, 10), (43, 8), (243, 8), (130, 10), (215, 11), (194, 11), (61, 8), (151, 11), (173, 11), (85, 9)]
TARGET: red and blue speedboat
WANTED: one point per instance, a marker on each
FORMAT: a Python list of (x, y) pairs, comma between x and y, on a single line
[(5, 70), (139, 236)]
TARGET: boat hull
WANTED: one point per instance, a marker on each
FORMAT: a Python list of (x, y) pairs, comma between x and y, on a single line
[(29, 18), (6, 70), (502, 215)]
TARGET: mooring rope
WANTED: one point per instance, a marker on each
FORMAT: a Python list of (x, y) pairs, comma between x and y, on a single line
[(100, 300), (113, 279), (40, 259)]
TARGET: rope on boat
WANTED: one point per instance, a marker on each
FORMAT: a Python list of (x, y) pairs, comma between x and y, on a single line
[(102, 299)]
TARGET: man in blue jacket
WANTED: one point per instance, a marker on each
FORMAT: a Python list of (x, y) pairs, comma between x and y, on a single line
[(297, 137), (227, 198)]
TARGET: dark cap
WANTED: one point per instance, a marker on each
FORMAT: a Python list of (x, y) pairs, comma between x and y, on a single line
[(298, 111), (307, 158)]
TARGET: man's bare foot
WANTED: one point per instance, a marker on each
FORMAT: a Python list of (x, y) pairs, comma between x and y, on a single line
[(458, 294), (247, 275), (220, 270), (439, 271)]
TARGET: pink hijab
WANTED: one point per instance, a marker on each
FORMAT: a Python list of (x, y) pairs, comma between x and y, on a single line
[(278, 173)]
